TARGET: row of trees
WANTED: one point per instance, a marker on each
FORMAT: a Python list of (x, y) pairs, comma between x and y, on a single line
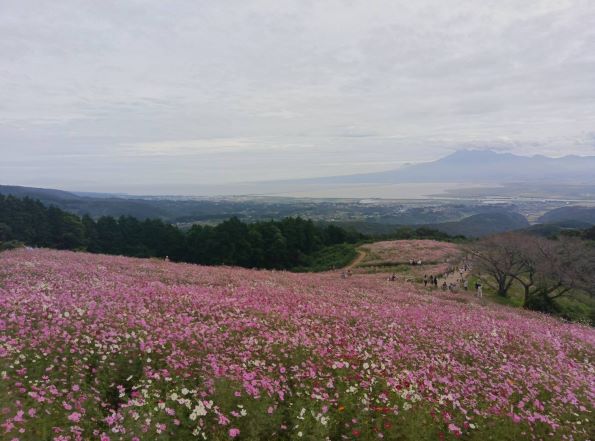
[(29, 221), (273, 244), (545, 269)]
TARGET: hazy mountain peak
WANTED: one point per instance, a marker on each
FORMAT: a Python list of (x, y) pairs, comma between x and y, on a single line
[(481, 166), (467, 155)]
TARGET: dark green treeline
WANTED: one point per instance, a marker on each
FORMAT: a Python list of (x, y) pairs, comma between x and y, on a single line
[(284, 244)]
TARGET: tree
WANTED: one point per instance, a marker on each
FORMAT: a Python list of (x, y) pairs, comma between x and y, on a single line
[(334, 235), (5, 232), (546, 269), (109, 236), (91, 236), (67, 231), (554, 268), (233, 244), (274, 246), (499, 257)]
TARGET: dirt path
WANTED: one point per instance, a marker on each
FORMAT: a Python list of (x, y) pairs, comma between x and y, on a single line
[(454, 277), (361, 256)]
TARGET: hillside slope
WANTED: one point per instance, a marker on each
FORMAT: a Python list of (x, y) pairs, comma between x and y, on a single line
[(94, 206), (160, 351), (575, 213), (483, 224)]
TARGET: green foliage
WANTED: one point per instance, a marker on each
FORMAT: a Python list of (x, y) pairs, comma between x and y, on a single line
[(577, 307), (408, 233), (11, 245), (29, 221), (286, 244), (328, 258), (291, 243)]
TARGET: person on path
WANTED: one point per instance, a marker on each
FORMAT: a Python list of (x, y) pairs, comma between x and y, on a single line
[(479, 290), (425, 280)]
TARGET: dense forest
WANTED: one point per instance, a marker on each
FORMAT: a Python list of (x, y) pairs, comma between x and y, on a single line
[(285, 244), (291, 243)]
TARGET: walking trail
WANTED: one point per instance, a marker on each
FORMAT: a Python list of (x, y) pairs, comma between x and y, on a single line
[(361, 256)]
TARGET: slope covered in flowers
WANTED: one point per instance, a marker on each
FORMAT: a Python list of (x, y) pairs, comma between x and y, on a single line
[(401, 251), (98, 347)]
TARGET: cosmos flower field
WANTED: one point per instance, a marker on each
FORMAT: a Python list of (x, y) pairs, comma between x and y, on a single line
[(114, 348), (401, 251)]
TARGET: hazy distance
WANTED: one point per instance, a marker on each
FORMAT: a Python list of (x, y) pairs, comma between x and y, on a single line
[(152, 97)]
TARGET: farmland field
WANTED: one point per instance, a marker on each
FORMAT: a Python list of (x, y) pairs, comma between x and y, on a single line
[(114, 348)]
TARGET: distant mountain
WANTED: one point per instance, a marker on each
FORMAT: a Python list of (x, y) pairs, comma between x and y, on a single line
[(94, 206), (582, 214), (483, 224), (38, 193), (476, 166)]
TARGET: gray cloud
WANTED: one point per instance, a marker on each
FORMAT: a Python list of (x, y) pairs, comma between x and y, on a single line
[(132, 95)]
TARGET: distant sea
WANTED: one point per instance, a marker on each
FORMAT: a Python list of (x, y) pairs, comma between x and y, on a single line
[(430, 190)]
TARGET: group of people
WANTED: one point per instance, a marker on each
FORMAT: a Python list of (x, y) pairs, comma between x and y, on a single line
[(452, 286), (433, 280)]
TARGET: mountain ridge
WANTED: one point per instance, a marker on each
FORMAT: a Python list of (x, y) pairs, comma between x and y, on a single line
[(476, 166)]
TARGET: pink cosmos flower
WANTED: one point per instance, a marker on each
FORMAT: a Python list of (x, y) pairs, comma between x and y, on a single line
[(74, 417), (387, 326), (234, 432), (455, 429), (160, 427)]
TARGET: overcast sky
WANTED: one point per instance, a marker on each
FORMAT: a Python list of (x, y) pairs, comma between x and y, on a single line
[(167, 96)]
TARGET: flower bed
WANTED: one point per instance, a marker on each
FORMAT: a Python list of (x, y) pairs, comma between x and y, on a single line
[(98, 347)]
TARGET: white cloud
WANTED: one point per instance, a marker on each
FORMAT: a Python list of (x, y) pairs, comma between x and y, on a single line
[(231, 91)]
